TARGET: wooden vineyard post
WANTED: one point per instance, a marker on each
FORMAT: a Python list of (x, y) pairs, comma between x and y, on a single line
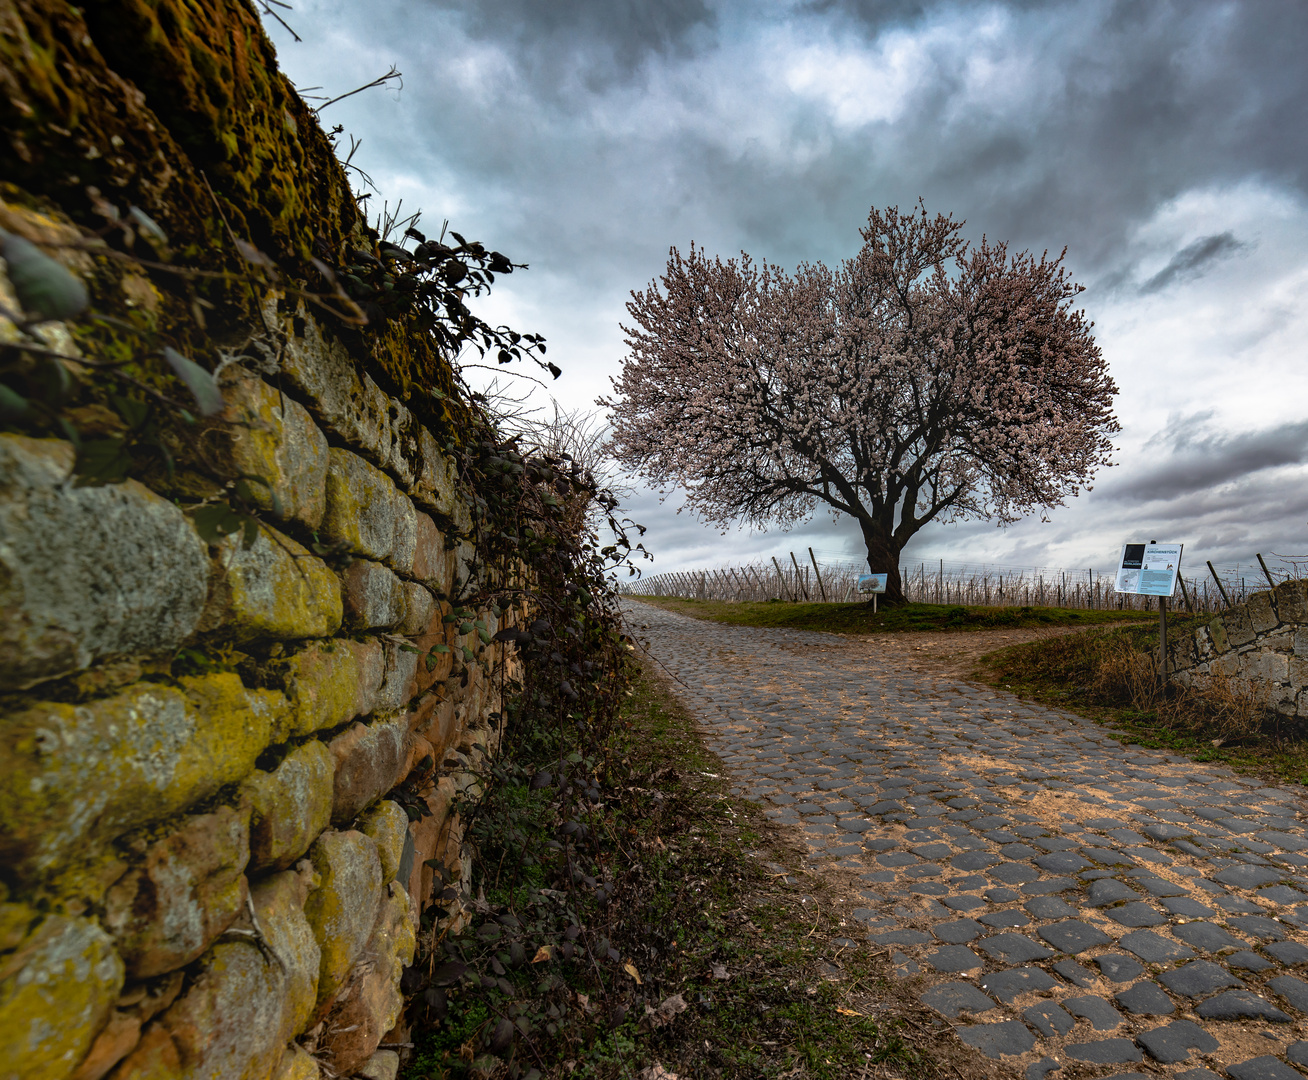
[(818, 574)]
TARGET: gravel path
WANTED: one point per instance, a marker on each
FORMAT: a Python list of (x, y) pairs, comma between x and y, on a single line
[(1066, 902)]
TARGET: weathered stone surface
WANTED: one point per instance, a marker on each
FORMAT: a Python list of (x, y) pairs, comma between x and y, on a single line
[(383, 1065), (330, 683), (435, 486), (75, 776), (289, 806), (298, 1065), (368, 759), (279, 903), (373, 596), (362, 506), (342, 909), (272, 589), (1261, 614), (134, 1008), (370, 1002), (388, 824), (431, 561), (398, 685), (419, 607), (188, 889), (56, 992), (87, 573), (274, 437), (404, 546), (227, 1026)]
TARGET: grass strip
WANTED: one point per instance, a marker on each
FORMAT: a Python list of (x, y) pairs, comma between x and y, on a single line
[(717, 954), (1083, 673), (859, 618)]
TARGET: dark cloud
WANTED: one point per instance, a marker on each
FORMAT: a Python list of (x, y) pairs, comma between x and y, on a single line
[(1192, 260), (1194, 458), (609, 38)]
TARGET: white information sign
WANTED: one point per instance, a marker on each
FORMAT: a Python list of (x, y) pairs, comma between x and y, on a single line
[(873, 583), (1149, 569)]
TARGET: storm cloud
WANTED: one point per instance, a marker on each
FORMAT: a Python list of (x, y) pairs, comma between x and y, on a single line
[(1161, 144)]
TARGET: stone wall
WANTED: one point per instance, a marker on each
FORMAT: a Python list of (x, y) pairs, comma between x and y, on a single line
[(1262, 642), (207, 867)]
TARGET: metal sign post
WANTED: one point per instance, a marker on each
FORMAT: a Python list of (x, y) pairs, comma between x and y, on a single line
[(874, 584), (1152, 569)]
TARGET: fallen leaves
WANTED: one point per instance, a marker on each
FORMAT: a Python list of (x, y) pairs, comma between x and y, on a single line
[(545, 952), (667, 1011), (630, 969)]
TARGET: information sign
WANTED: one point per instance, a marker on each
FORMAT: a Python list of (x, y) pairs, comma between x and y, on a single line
[(1149, 569), (873, 583)]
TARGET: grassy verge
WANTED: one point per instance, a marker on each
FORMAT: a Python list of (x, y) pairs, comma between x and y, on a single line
[(713, 925), (1106, 675), (859, 619)]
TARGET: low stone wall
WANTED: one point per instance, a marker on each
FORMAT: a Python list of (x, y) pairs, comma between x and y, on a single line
[(201, 868), (1262, 642), (227, 770)]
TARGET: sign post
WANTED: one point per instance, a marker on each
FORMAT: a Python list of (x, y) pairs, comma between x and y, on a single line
[(874, 584), (1151, 569)]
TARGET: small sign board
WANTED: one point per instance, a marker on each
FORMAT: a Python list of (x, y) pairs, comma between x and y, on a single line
[(873, 583), (1149, 569)]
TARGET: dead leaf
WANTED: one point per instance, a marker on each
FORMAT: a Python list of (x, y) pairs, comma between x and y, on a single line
[(847, 1012), (656, 1072), (665, 1013), (630, 969), (720, 971), (545, 952)]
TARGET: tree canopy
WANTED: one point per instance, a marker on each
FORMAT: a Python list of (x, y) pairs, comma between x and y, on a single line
[(923, 379)]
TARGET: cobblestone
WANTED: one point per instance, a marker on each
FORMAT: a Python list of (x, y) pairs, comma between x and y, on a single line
[(997, 839)]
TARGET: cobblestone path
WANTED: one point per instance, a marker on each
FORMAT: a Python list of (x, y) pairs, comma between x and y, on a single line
[(1082, 905)]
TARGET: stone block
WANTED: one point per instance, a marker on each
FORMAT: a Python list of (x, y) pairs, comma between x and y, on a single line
[(1262, 616), (74, 777), (227, 1026), (362, 506), (435, 485), (118, 1038), (401, 667), (330, 683), (272, 589), (345, 401), (431, 560), (404, 546), (289, 806), (57, 990), (419, 607), (1301, 641), (88, 573), (187, 890), (368, 759), (388, 825), (279, 903), (297, 1065), (274, 437), (342, 910), (1217, 635), (1239, 628), (373, 596), (1291, 600), (370, 1002), (383, 1065)]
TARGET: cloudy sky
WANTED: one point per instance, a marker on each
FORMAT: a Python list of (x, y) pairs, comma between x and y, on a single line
[(1163, 144)]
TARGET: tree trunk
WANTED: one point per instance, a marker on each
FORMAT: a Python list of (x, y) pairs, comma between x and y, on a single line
[(883, 558)]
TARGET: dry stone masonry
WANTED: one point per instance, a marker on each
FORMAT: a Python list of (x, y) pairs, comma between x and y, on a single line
[(201, 869), (1262, 643), (1069, 905), (204, 868)]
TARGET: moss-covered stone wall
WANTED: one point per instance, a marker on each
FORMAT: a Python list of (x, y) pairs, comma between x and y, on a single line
[(211, 752)]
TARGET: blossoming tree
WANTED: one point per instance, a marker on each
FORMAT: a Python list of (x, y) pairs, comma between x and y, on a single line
[(924, 379)]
